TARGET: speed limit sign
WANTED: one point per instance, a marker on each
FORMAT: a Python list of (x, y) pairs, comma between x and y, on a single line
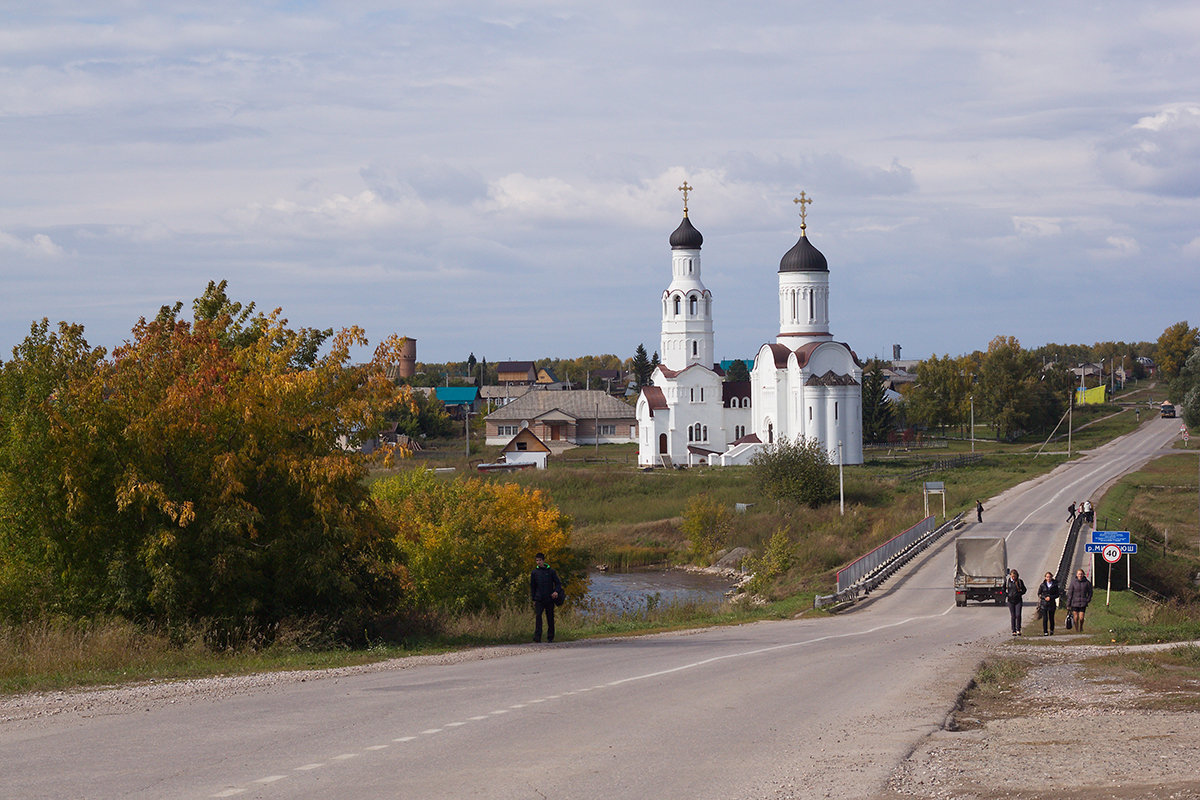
[(1111, 553)]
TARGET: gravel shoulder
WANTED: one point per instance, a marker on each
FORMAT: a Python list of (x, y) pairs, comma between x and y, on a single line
[(1075, 726)]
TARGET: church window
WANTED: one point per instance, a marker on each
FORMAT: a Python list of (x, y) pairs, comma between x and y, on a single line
[(835, 411), (701, 394), (677, 306), (692, 305), (771, 433), (695, 348), (795, 311), (810, 413), (708, 306), (692, 394), (691, 432), (705, 434), (812, 306)]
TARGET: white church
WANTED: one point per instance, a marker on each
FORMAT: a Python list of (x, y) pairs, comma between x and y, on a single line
[(803, 385)]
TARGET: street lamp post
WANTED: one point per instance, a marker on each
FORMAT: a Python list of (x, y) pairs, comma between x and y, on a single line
[(841, 483), (467, 430), (972, 423)]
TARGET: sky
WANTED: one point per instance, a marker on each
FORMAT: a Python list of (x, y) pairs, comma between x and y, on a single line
[(500, 178)]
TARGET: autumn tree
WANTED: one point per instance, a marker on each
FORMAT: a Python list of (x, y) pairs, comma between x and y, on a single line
[(199, 473), (1174, 347), (469, 544)]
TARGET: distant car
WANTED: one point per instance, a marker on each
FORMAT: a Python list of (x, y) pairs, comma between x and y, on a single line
[(1168, 410)]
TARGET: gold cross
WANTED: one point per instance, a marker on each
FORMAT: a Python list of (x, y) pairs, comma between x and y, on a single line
[(685, 189), (803, 200)]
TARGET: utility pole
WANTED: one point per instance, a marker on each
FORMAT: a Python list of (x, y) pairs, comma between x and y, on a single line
[(841, 484)]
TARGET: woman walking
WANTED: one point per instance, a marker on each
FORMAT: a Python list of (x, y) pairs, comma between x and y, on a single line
[(1048, 594), (1014, 590), (1079, 594)]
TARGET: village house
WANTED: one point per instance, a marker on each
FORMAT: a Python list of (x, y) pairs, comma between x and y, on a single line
[(564, 418)]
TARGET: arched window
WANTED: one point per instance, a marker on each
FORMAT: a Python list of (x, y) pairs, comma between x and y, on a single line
[(812, 306), (704, 438), (695, 348), (835, 412), (771, 433), (692, 305), (690, 432), (677, 306)]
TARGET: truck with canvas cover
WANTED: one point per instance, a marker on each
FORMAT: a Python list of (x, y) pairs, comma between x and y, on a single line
[(980, 567)]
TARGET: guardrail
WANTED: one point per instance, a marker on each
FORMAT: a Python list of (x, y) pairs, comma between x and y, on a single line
[(943, 464), (1068, 554), (865, 574)]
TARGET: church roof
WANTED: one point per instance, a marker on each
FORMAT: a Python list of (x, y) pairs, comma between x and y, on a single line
[(830, 378), (732, 389), (803, 257), (655, 399), (686, 237)]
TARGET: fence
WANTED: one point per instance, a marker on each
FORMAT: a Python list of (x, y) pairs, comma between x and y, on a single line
[(865, 574), (943, 464)]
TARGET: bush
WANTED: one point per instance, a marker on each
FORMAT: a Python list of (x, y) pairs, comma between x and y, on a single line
[(796, 470), (707, 524)]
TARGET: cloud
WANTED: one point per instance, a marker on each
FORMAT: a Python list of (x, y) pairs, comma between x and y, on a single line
[(1159, 154), (39, 245)]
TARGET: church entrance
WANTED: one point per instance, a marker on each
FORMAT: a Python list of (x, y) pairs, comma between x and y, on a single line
[(662, 444)]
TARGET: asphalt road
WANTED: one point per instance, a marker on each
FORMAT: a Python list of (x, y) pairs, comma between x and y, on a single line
[(822, 707)]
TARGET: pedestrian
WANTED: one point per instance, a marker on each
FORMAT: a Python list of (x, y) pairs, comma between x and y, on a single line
[(1088, 512), (1079, 594), (1014, 590), (1071, 513), (979, 511), (544, 589), (1048, 594)]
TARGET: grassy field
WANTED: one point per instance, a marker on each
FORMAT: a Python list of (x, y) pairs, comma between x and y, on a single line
[(622, 517)]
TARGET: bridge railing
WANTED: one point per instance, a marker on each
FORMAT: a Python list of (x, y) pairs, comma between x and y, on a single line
[(866, 573)]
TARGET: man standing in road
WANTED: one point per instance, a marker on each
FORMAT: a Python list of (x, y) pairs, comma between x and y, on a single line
[(544, 589), (978, 511)]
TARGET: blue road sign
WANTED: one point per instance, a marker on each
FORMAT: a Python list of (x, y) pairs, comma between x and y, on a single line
[(1098, 547), (1110, 537)]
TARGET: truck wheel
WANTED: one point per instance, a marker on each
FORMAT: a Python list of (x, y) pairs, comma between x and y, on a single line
[(960, 603)]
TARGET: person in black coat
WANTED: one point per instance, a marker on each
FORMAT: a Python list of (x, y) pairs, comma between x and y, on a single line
[(1014, 591), (1079, 594), (1048, 593), (544, 589)]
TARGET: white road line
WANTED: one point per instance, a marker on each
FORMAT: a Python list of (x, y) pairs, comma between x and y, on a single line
[(454, 724), (431, 731), (539, 700), (404, 739), (499, 711), (345, 756), (476, 719), (229, 793), (518, 705), (307, 767), (270, 779), (378, 747)]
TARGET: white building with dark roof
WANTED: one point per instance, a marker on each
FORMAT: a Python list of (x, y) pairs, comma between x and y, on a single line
[(802, 385)]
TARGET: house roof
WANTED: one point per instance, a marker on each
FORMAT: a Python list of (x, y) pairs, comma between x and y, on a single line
[(457, 395), (732, 389), (514, 366), (500, 392), (580, 404), (533, 443)]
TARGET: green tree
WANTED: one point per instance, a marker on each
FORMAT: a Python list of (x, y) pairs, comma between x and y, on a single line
[(940, 398), (1185, 389), (1174, 346), (877, 413), (1007, 374), (641, 366), (799, 471), (737, 371)]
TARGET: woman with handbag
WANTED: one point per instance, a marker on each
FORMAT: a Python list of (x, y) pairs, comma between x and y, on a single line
[(1048, 594), (1014, 591)]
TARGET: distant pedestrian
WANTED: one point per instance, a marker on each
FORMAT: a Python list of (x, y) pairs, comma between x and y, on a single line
[(544, 589), (979, 511), (1079, 594), (1071, 513), (1014, 591), (1088, 512), (1048, 594)]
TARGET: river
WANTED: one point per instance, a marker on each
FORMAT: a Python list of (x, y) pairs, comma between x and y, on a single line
[(635, 591)]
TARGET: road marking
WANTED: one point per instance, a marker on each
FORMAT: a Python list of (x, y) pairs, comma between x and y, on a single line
[(404, 739), (229, 793), (518, 705), (456, 724), (431, 731), (499, 711), (271, 779), (307, 767), (378, 747), (476, 719), (539, 700), (345, 756)]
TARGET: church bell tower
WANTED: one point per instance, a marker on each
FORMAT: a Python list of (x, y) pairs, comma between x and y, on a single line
[(687, 319)]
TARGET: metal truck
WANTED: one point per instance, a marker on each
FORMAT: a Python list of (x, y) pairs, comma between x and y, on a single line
[(980, 567)]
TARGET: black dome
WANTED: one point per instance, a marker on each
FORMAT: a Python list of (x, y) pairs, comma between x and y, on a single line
[(803, 258), (686, 237)]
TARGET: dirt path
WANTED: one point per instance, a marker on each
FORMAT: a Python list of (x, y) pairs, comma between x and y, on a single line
[(1083, 722)]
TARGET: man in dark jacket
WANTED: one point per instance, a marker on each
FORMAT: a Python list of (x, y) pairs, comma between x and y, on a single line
[(544, 589)]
